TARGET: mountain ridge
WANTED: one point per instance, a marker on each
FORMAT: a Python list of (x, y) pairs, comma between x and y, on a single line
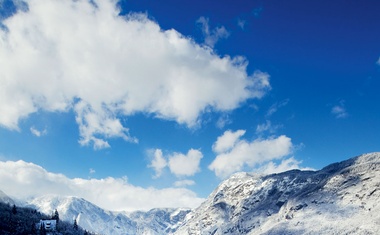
[(290, 202), (95, 219), (341, 198)]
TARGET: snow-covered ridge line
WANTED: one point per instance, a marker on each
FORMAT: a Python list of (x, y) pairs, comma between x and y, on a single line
[(96, 219), (341, 198)]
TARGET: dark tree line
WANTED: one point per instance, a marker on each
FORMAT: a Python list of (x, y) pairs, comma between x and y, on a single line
[(20, 221)]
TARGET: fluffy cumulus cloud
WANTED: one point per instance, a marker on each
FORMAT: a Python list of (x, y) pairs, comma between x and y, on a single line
[(185, 165), (235, 153), (179, 164), (158, 162), (22, 179), (83, 56), (227, 141)]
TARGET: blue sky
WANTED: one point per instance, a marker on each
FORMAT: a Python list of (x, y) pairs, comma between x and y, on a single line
[(155, 97)]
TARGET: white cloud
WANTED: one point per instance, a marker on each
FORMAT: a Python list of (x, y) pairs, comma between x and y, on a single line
[(37, 132), (227, 141), (264, 127), (23, 180), (378, 61), (241, 153), (184, 183), (241, 23), (92, 171), (223, 121), (73, 55), (158, 162), (285, 165), (179, 164), (212, 36), (267, 127), (93, 123), (339, 111), (185, 165), (273, 109)]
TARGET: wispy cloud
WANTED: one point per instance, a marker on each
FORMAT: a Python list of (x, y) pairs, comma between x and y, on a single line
[(339, 111), (273, 109), (378, 61), (267, 127), (241, 23), (257, 11), (37, 132), (212, 36), (24, 180), (183, 183), (61, 56), (223, 121)]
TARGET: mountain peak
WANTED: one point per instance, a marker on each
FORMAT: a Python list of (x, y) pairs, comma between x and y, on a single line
[(340, 197)]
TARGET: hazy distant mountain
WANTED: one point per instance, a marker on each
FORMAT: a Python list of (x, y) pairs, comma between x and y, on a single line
[(95, 219), (6, 199), (342, 198)]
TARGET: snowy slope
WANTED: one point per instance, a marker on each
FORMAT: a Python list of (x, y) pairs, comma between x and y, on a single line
[(95, 219), (158, 221), (342, 198), (4, 198), (88, 215)]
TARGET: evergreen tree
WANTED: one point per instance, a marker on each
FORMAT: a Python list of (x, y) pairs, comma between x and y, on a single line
[(42, 229), (14, 210), (55, 215), (75, 225)]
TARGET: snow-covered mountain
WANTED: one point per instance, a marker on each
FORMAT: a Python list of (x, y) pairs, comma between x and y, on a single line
[(95, 219), (4, 198), (342, 198)]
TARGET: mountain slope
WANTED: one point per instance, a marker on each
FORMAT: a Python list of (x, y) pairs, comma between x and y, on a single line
[(342, 198), (88, 215), (158, 221), (95, 219), (4, 198)]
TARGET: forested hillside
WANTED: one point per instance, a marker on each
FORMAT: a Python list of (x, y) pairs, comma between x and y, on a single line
[(19, 221)]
